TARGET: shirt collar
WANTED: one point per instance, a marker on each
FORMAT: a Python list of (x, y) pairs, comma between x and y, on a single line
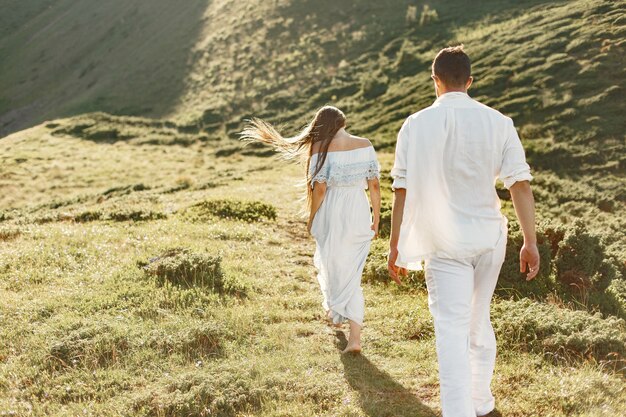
[(452, 96)]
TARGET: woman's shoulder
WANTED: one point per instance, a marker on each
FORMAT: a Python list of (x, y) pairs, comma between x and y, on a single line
[(357, 142), (345, 149)]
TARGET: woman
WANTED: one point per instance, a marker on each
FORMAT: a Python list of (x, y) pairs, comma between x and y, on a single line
[(339, 167)]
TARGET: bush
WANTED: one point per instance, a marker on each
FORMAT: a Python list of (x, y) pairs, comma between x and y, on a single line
[(250, 211), (574, 265), (211, 117), (511, 280), (541, 327), (192, 340), (614, 298), (125, 189), (141, 214), (4, 216), (428, 15), (94, 346), (221, 392), (581, 262), (9, 233), (182, 267), (407, 62), (374, 85), (88, 216), (417, 325)]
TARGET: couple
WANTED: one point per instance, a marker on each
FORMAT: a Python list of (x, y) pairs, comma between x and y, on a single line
[(446, 214)]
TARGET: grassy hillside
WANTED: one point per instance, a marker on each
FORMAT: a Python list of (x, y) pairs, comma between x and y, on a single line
[(150, 265), (556, 67), (153, 276), (68, 57)]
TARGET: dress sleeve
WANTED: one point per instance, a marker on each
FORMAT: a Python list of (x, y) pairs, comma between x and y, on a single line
[(373, 169), (323, 174), (398, 172), (514, 167)]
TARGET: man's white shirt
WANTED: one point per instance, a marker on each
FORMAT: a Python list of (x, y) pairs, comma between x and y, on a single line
[(448, 158)]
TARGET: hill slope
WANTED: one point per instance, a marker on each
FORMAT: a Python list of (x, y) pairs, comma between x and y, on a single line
[(558, 68), (154, 276), (150, 265)]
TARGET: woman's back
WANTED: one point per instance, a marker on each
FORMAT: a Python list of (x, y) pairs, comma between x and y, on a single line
[(343, 142), (345, 168)]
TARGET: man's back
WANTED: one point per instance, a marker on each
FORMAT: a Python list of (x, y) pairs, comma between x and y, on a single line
[(454, 151)]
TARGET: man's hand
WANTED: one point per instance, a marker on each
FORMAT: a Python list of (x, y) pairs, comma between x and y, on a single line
[(529, 260), (395, 272), (524, 204)]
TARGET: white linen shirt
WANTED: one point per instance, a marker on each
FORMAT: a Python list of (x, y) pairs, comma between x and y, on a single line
[(448, 158)]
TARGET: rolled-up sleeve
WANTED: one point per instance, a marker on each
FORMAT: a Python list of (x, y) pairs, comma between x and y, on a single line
[(398, 172), (514, 167)]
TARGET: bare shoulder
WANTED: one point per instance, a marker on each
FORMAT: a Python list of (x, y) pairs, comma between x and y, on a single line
[(359, 142), (315, 147), (347, 143)]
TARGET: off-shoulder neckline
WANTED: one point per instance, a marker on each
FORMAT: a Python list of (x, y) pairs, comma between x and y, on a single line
[(346, 150)]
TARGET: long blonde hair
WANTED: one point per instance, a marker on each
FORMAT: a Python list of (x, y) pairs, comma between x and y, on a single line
[(327, 122)]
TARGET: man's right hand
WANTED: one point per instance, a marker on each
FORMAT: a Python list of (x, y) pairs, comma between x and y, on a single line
[(395, 272), (529, 260)]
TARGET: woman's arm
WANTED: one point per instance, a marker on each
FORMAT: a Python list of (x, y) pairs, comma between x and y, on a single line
[(319, 191), (373, 186)]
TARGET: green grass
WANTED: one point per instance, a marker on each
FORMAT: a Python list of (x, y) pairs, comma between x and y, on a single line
[(232, 323), (154, 266)]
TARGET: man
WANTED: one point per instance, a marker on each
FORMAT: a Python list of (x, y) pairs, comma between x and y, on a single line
[(446, 213)]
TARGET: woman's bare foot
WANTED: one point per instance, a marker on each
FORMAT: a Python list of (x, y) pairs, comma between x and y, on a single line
[(330, 321), (354, 341), (352, 348)]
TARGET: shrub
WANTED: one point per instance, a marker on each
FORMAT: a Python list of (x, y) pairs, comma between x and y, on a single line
[(574, 265), (182, 267), (54, 204), (222, 392), (88, 216), (134, 214), (45, 218), (411, 14), (126, 189), (4, 216), (374, 85), (103, 133), (542, 327), (211, 117), (192, 340), (614, 298), (250, 211), (9, 233), (428, 15), (581, 262), (511, 280), (93, 346), (417, 325), (407, 62)]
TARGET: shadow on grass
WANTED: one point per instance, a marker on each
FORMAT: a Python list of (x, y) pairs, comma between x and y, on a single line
[(379, 394)]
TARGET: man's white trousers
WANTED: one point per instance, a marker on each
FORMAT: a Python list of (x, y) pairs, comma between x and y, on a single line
[(459, 295)]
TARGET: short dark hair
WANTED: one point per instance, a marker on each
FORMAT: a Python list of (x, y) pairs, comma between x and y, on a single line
[(452, 66)]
